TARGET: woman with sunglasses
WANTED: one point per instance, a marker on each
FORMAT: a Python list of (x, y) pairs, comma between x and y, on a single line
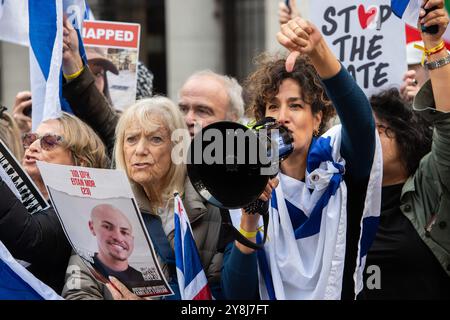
[(39, 238)]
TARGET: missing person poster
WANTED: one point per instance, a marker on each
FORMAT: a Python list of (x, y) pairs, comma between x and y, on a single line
[(366, 37), (103, 223), (19, 182), (112, 51)]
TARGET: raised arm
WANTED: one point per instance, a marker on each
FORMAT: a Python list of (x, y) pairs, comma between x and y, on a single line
[(300, 36), (433, 99), (440, 76), (358, 127), (87, 102)]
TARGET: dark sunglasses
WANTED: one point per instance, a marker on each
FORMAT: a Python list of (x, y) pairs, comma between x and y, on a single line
[(48, 141)]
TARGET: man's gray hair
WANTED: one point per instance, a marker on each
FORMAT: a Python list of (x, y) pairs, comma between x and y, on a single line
[(234, 92)]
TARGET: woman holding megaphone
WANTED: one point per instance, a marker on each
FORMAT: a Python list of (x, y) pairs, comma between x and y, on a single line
[(323, 212)]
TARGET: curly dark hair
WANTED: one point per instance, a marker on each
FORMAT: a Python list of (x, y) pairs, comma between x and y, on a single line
[(262, 85), (413, 133)]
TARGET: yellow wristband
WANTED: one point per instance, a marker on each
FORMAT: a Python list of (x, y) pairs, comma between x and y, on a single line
[(73, 75), (429, 52), (247, 234)]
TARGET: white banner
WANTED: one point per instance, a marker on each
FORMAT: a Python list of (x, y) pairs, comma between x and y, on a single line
[(366, 37), (14, 21)]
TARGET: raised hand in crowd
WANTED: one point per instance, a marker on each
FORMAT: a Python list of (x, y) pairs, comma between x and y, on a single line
[(72, 62), (286, 13), (409, 87), (438, 62), (22, 111), (300, 36)]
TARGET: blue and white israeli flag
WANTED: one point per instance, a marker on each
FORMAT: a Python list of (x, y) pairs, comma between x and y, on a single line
[(305, 252), (39, 24), (46, 40), (17, 283), (407, 10), (304, 256)]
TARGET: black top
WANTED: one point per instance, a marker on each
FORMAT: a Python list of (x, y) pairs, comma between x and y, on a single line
[(408, 268), (358, 149), (38, 239), (131, 278)]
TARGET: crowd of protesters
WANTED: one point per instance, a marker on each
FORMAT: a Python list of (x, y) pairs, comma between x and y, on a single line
[(390, 154)]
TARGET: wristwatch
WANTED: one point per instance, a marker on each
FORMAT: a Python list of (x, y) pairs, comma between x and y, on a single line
[(438, 63)]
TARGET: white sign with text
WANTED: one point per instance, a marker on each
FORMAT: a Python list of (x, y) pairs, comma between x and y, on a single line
[(366, 37)]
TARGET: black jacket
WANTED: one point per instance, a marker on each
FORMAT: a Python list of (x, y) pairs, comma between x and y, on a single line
[(91, 106), (38, 239)]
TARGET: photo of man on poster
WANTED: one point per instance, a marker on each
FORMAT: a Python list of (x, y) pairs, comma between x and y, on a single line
[(115, 241)]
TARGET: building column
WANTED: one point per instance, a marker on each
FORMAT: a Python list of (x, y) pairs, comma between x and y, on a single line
[(14, 71), (194, 40)]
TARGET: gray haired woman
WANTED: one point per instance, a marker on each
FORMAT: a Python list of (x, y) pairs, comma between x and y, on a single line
[(143, 149)]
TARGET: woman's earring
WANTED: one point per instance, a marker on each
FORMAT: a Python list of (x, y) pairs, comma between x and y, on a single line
[(315, 133)]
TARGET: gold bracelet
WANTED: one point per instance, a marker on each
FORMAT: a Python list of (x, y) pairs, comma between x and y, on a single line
[(73, 75), (247, 234)]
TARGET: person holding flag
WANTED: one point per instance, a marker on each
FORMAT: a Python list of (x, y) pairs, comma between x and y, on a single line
[(417, 75)]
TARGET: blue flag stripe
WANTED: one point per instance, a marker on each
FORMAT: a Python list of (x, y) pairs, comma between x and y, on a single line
[(191, 258), (274, 201), (399, 6), (320, 151), (312, 225), (12, 287), (192, 281), (264, 267), (369, 230), (178, 253), (298, 217), (42, 19)]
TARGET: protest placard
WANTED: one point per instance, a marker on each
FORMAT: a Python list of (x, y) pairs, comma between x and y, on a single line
[(103, 223), (366, 37), (19, 182), (114, 46)]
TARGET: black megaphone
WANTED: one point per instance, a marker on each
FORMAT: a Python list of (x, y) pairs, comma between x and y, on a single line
[(230, 164)]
